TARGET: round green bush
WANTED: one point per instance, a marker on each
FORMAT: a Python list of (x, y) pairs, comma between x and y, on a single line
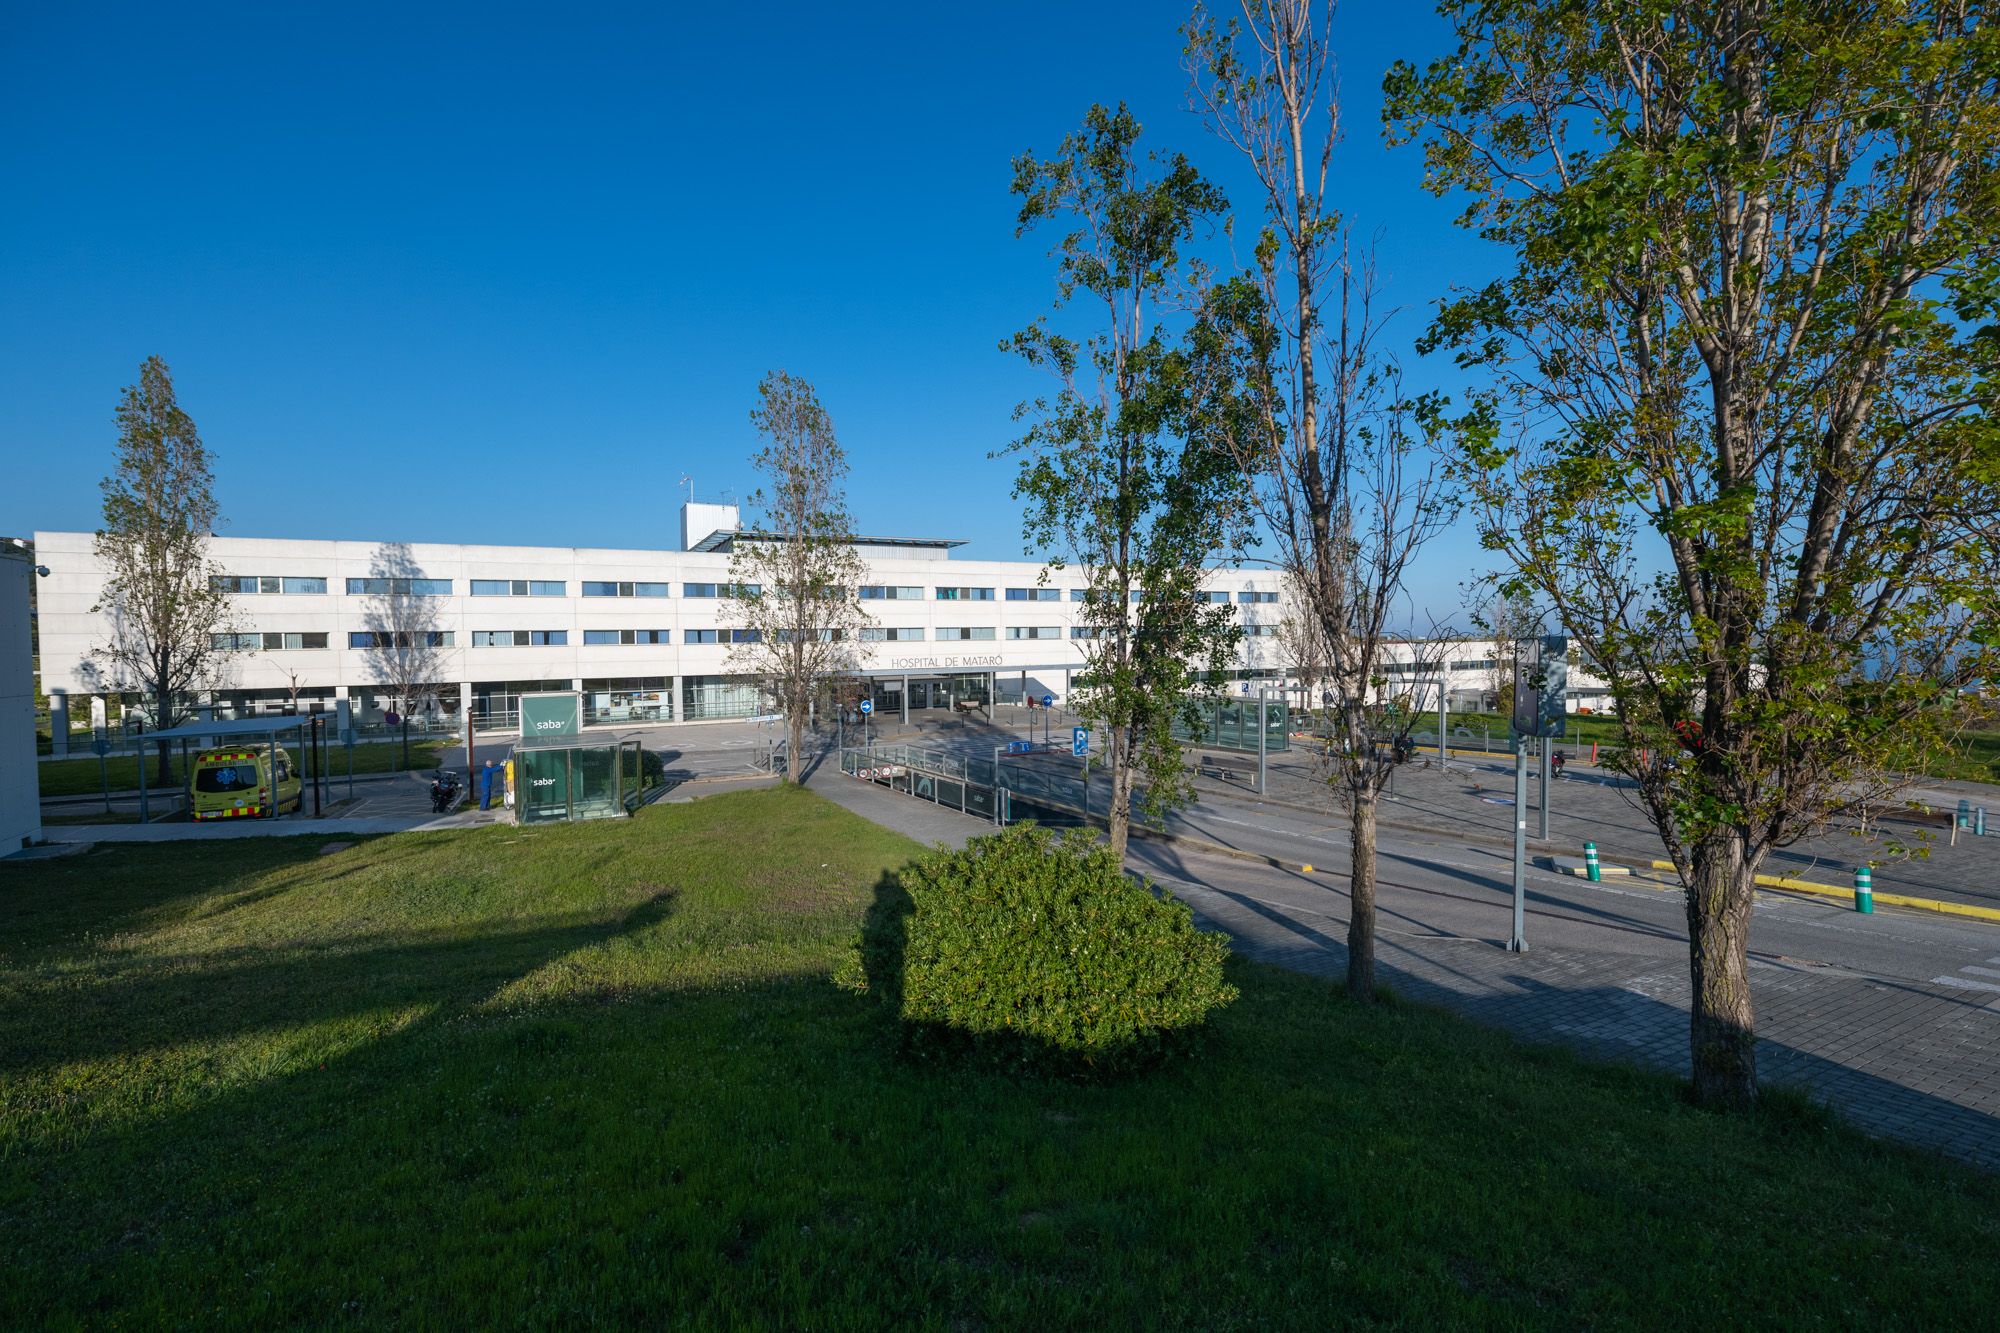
[(1040, 953)]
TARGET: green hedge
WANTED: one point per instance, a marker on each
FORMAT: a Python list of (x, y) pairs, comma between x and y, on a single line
[(1039, 953)]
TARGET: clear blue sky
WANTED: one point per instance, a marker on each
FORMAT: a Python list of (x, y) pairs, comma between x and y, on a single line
[(505, 274)]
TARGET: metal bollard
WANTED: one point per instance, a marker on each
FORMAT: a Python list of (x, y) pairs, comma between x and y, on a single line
[(1590, 866), (1979, 821), (1964, 813), (1864, 889)]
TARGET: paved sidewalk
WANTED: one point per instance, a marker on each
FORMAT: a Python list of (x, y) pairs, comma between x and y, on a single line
[(1913, 1060)]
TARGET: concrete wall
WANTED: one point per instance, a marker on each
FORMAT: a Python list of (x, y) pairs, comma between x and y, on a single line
[(70, 631), (20, 800)]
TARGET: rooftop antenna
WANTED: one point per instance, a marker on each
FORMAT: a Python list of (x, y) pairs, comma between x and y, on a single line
[(688, 482)]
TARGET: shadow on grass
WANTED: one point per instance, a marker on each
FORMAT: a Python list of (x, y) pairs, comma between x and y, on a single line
[(129, 1006)]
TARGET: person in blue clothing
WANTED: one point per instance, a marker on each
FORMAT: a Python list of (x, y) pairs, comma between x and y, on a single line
[(487, 776)]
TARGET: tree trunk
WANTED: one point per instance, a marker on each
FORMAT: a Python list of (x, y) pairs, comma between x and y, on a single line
[(795, 735), (1721, 1024), (1119, 820), (1361, 902), (162, 700), (406, 740)]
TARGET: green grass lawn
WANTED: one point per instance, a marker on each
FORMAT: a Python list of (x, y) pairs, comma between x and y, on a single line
[(80, 777), (599, 1074)]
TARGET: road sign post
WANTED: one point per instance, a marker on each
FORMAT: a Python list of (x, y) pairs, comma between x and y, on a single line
[(1079, 746), (100, 745), (1263, 737), (1519, 941)]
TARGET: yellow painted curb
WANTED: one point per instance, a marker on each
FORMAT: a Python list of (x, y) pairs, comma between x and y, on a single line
[(1886, 899)]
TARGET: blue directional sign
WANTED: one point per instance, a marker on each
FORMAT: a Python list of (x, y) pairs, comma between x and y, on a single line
[(1020, 747), (1048, 701), (1079, 741), (867, 705)]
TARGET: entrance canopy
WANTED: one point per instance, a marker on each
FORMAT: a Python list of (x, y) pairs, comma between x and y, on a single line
[(265, 731), (237, 728)]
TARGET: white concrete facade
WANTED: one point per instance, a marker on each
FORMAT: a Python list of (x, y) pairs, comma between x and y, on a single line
[(20, 796), (1026, 627), (1026, 633)]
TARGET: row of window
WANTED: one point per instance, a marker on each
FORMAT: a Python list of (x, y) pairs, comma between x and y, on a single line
[(559, 638), (416, 587), (268, 642), (260, 583)]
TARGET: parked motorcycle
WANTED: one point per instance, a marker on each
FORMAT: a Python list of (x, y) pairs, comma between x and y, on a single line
[(444, 791)]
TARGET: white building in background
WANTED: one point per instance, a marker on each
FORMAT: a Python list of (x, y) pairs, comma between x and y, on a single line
[(20, 797), (644, 635)]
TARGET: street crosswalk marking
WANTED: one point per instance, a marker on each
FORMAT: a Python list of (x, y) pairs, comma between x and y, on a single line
[(1965, 983), (1981, 971)]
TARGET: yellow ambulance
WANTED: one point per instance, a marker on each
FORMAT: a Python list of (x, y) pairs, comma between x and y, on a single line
[(235, 783)]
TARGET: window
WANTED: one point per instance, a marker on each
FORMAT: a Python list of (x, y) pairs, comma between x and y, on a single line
[(235, 643), (1476, 664), (882, 634), (622, 636), (699, 636), (965, 594), (1248, 598), (1259, 631), (519, 638), (399, 587), (275, 641), (721, 589), (687, 590), (967, 632), (433, 638), (883, 592), (621, 589), (519, 588), (1034, 594), (1034, 632), (746, 636), (1079, 594), (824, 636), (1215, 597), (260, 583), (1085, 632)]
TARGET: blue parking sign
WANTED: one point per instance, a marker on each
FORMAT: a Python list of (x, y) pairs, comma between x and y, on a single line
[(1079, 741)]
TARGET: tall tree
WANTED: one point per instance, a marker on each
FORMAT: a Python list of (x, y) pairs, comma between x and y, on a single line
[(1742, 440), (161, 594), (407, 651), (798, 583), (1121, 471), (1345, 477)]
